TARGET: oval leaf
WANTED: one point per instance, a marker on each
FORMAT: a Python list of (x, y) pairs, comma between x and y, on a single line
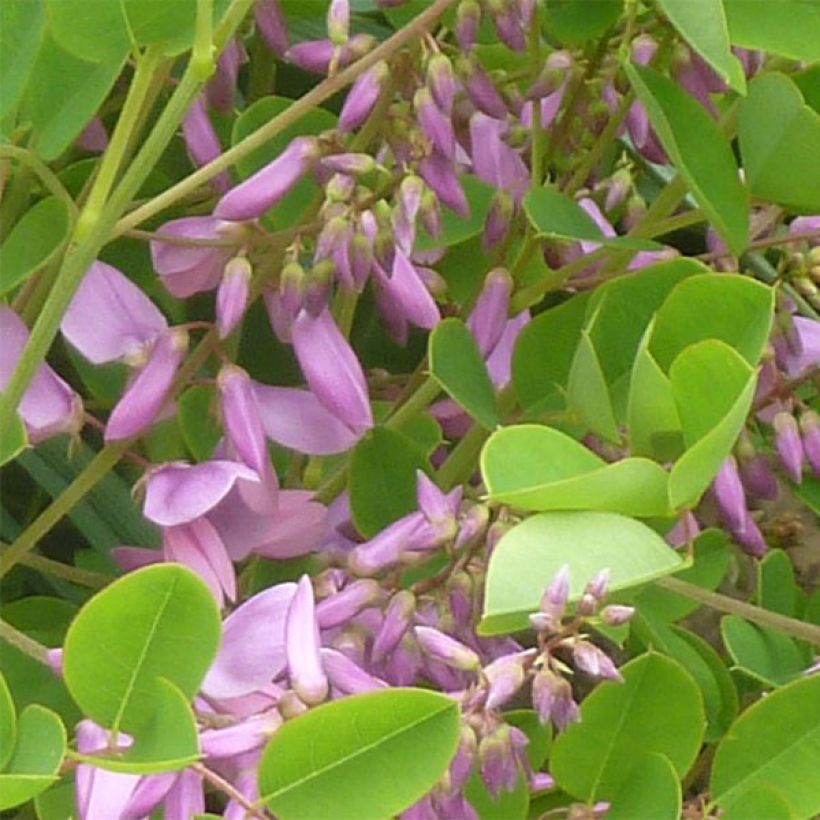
[(160, 621), (457, 365), (776, 743), (698, 150), (656, 709), (787, 27), (588, 394), (369, 755), (528, 557), (652, 792)]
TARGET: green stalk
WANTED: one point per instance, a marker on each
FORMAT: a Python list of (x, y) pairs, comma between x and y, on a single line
[(19, 640), (48, 566)]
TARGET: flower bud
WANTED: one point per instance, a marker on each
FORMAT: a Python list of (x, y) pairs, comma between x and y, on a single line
[(505, 677), (338, 21), (345, 604), (431, 213), (271, 23), (617, 614), (758, 477), (350, 164), (445, 649), (362, 97), (441, 82), (499, 769), (436, 125), (397, 618), (499, 218), (302, 645), (481, 89), (233, 294), (810, 429), (592, 660), (788, 445), (439, 174), (489, 316), (468, 19)]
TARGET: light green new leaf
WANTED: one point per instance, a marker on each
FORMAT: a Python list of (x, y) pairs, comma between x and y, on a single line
[(555, 215), (588, 394), (760, 801), (790, 28), (370, 755), (22, 25), (698, 150), (8, 723), (37, 757), (780, 142), (657, 708), (457, 365), (34, 240), (651, 792), (543, 353), (735, 309), (160, 621), (528, 557), (764, 654), (703, 25), (775, 742), (538, 468), (169, 741)]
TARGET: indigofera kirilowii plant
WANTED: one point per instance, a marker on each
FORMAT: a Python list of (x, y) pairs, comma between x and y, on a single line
[(409, 409)]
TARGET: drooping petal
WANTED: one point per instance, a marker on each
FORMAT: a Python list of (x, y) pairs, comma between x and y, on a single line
[(145, 395), (110, 317), (177, 493), (493, 160), (332, 369), (439, 174), (346, 675), (409, 292), (186, 799), (489, 316), (271, 23), (302, 645), (202, 141), (362, 97), (252, 653)]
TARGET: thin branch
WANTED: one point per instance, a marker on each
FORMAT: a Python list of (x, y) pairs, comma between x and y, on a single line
[(21, 641), (219, 782)]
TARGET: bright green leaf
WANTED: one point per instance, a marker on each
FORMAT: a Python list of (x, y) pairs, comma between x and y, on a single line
[(528, 557), (555, 215), (780, 143), (698, 150), (383, 479), (657, 709), (544, 351), (37, 757), (167, 742), (787, 27), (538, 468), (8, 722), (13, 440), (775, 742), (576, 21), (370, 755), (587, 392), (33, 241), (776, 586), (703, 25), (760, 801), (456, 363), (509, 805), (768, 656), (160, 621), (651, 792), (22, 24)]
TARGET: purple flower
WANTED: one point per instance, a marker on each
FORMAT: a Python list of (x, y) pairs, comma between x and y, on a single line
[(221, 89), (498, 221), (317, 56), (338, 21), (499, 768), (442, 82), (810, 429), (49, 406), (493, 160), (553, 602), (594, 661), (509, 25), (271, 23), (94, 137), (489, 316), (435, 125), (468, 19), (332, 369), (202, 141), (408, 293), (552, 699), (439, 174), (788, 445), (481, 90), (617, 614), (233, 295), (441, 647), (264, 189), (396, 622), (302, 645), (340, 607), (345, 675), (189, 269), (758, 477), (505, 676), (362, 97), (729, 494)]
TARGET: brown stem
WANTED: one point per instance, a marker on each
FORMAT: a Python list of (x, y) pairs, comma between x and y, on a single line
[(219, 782)]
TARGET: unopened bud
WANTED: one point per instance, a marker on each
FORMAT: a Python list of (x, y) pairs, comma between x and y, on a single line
[(233, 294), (447, 650)]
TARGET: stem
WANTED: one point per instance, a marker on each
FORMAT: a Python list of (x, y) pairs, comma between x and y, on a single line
[(82, 577), (426, 394), (43, 173), (219, 782), (19, 640), (315, 97), (723, 603)]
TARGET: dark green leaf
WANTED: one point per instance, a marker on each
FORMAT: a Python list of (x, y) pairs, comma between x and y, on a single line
[(8, 723), (456, 229), (13, 440), (457, 365), (369, 755), (576, 21), (198, 422), (698, 150)]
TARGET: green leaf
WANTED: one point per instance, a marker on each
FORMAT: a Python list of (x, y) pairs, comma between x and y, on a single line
[(780, 142), (8, 723), (717, 689), (555, 215), (370, 755), (587, 392), (573, 22), (168, 742), (538, 468), (528, 557), (703, 25), (33, 242), (787, 27), (197, 421), (509, 805), (766, 655), (382, 482), (37, 757), (22, 24), (652, 415), (63, 94), (695, 469), (760, 801), (13, 440), (776, 586), (456, 229), (711, 560), (698, 150), (656, 709), (289, 211), (775, 742), (160, 621), (457, 365), (651, 792), (58, 803), (543, 353)]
